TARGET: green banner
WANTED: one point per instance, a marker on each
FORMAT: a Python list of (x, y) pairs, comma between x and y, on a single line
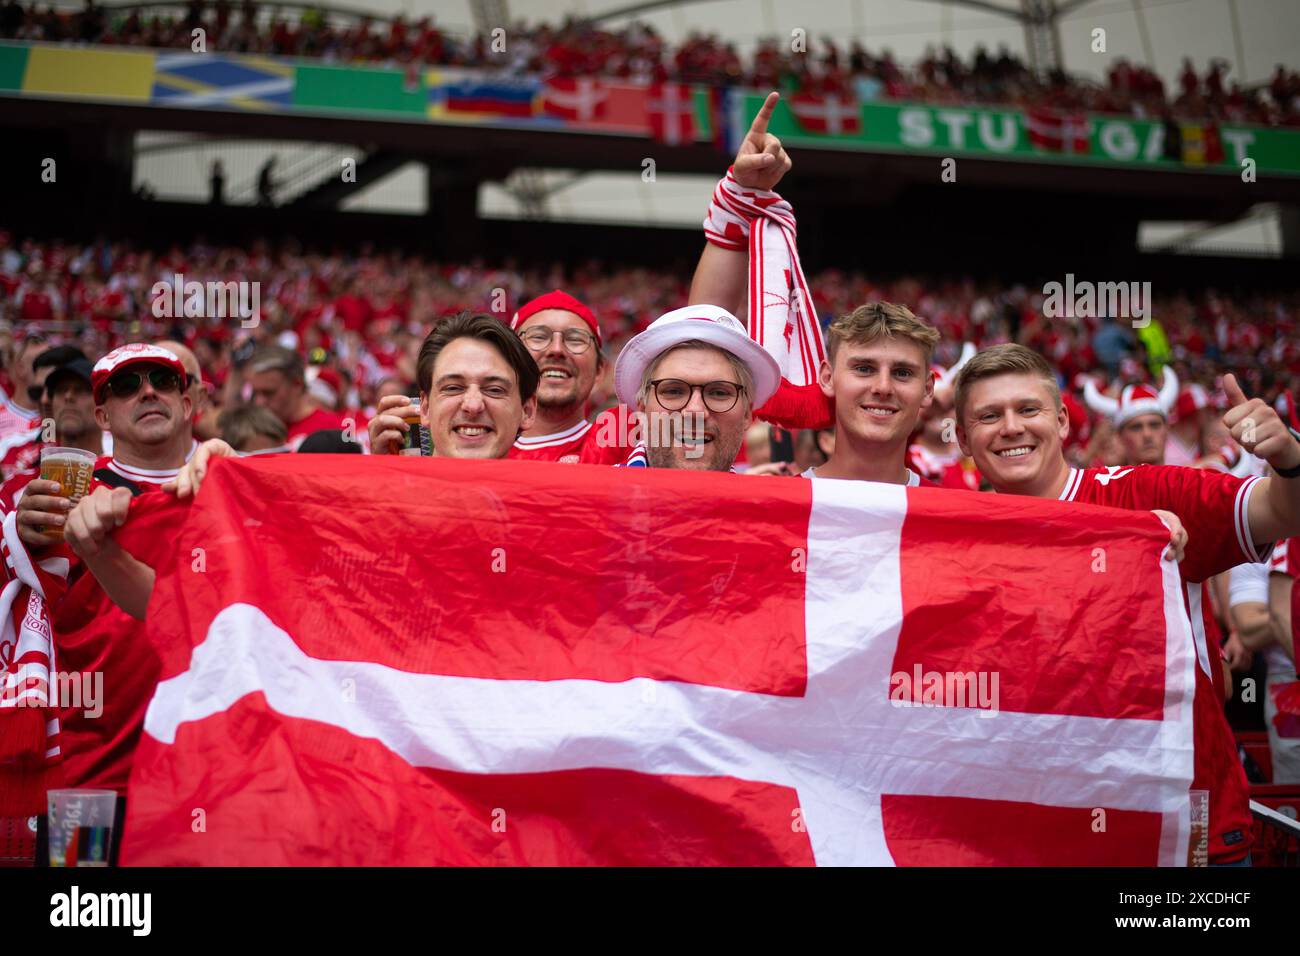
[(350, 88), (1006, 134), (13, 64)]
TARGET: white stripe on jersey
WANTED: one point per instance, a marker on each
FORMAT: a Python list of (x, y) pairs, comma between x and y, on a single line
[(556, 438), (1196, 615), (146, 475), (1241, 517)]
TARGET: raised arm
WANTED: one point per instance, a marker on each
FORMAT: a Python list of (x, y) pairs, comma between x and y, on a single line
[(1274, 511), (722, 276)]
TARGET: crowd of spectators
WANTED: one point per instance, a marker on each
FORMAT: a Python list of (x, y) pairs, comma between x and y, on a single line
[(364, 315), (636, 52)]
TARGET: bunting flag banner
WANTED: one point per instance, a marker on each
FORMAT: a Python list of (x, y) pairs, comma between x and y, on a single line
[(829, 115), (243, 82), (497, 96), (427, 661), (1056, 132), (671, 111), (582, 99)]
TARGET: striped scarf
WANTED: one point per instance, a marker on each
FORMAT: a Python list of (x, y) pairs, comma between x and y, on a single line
[(782, 315), (29, 729)]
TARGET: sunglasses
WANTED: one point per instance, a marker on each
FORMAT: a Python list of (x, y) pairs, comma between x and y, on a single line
[(126, 384)]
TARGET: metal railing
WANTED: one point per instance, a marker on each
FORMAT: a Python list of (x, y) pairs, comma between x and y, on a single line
[(1281, 833)]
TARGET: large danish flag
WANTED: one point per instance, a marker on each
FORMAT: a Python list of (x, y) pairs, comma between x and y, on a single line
[(425, 661)]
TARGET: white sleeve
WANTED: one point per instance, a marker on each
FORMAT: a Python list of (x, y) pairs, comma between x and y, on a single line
[(1248, 583)]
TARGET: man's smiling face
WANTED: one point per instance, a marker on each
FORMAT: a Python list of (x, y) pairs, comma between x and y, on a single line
[(473, 408), (567, 379), (695, 436), (1012, 427), (879, 387)]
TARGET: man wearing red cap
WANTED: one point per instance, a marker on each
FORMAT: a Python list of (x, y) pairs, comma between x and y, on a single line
[(140, 394), (564, 338)]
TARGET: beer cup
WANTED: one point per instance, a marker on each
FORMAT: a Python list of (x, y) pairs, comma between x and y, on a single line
[(417, 436), (71, 468)]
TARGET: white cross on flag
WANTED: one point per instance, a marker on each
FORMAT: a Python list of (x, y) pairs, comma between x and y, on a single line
[(670, 108), (830, 115), (415, 661), (574, 98)]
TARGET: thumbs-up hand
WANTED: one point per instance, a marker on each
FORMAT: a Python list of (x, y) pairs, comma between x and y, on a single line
[(760, 161), (1258, 428)]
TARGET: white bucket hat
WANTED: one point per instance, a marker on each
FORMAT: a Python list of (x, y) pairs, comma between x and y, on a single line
[(707, 323)]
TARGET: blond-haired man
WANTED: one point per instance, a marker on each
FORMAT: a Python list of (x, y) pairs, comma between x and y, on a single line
[(877, 366), (1011, 421), (877, 373)]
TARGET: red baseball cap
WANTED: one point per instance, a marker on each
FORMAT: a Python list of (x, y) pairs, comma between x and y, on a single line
[(135, 354), (557, 300)]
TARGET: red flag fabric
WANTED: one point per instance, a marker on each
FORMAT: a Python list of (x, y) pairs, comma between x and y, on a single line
[(392, 661), (671, 111), (830, 115), (581, 98), (1058, 132)]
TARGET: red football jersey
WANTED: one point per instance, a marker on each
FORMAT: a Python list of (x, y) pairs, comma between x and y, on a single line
[(1212, 508), (928, 464), (587, 443), (318, 420), (96, 638)]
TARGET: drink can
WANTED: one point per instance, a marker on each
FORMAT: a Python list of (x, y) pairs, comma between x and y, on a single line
[(417, 441), (72, 469)]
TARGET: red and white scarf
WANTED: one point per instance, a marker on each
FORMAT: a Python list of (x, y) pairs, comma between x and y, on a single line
[(29, 727), (782, 316)]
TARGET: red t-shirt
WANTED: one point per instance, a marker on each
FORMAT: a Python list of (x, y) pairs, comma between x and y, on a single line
[(94, 637), (587, 443), (319, 419), (1212, 508)]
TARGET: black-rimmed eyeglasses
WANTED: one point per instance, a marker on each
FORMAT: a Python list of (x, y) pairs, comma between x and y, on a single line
[(674, 394)]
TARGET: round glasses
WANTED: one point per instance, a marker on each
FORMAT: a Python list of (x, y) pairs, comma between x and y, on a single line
[(539, 337), (674, 394)]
